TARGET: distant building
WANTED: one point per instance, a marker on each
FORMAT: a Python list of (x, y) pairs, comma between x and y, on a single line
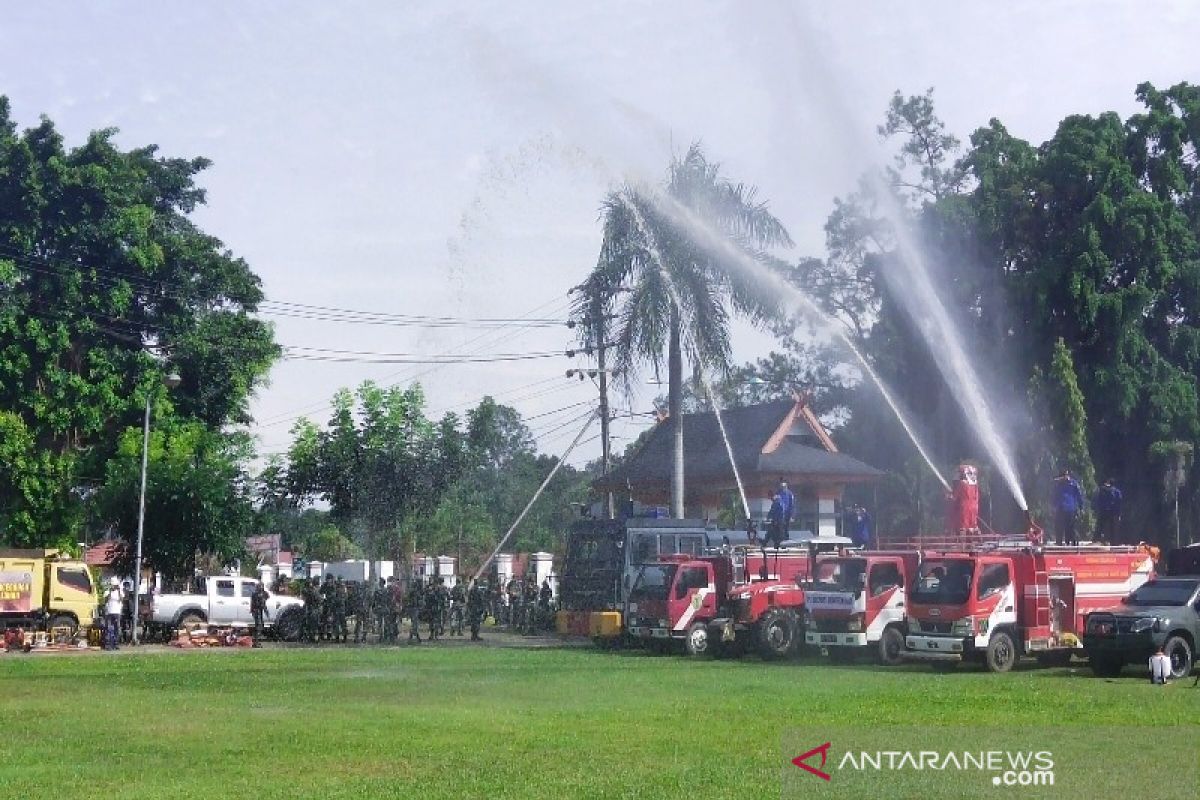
[(781, 439)]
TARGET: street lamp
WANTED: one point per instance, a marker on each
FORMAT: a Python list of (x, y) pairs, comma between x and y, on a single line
[(171, 381)]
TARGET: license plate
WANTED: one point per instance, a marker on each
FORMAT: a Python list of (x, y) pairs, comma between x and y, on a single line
[(828, 639), (932, 645)]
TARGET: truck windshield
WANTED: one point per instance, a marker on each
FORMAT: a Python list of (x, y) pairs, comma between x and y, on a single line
[(1161, 593), (652, 582), (843, 574), (945, 581)]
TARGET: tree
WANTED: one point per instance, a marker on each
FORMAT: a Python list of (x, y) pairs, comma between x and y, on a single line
[(198, 498), (381, 465), (669, 291), (1061, 440), (103, 278)]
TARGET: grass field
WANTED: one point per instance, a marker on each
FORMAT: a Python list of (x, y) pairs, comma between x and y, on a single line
[(456, 721)]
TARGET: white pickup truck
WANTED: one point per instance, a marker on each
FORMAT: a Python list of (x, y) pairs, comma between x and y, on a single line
[(222, 600)]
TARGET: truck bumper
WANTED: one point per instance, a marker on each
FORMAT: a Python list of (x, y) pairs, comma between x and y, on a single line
[(820, 639), (933, 648), (1129, 646), (647, 632)]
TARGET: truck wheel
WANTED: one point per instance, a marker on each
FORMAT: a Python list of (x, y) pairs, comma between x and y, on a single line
[(190, 618), (1106, 666), (289, 626), (697, 639), (1179, 651), (1001, 652), (776, 634), (891, 647), (62, 621)]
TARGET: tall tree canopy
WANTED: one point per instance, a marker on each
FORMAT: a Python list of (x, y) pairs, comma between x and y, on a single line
[(106, 284), (670, 290)]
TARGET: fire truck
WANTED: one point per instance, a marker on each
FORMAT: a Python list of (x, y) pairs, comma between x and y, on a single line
[(857, 603), (996, 604), (726, 601)]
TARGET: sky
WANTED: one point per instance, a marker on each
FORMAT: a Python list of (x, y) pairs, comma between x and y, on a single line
[(450, 159)]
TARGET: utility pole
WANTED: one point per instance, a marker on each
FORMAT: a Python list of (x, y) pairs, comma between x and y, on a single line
[(605, 446)]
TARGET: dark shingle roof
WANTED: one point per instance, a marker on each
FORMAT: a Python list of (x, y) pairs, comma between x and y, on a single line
[(749, 428)]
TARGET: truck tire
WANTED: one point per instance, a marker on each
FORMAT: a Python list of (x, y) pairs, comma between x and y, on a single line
[(63, 621), (1179, 650), (288, 626), (891, 647), (1106, 666), (697, 639), (1001, 652), (190, 618), (776, 634)]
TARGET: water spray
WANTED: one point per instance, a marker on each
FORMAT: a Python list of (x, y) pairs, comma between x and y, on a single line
[(924, 306), (773, 281), (678, 301)]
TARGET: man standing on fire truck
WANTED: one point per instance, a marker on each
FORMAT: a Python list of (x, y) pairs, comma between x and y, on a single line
[(1068, 502), (1108, 512)]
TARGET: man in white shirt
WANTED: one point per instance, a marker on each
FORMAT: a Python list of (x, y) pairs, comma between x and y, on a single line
[(1160, 667), (113, 603)]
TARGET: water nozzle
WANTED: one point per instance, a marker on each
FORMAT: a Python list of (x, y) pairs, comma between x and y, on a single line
[(1033, 531)]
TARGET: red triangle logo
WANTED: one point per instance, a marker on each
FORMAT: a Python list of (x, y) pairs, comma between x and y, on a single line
[(803, 757)]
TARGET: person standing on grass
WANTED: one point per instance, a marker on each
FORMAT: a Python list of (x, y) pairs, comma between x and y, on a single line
[(476, 607), (114, 603), (1108, 512), (1067, 499), (258, 609)]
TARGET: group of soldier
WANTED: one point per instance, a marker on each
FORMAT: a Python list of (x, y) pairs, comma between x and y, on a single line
[(336, 610)]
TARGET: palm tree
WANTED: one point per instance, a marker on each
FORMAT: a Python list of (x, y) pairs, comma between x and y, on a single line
[(656, 288)]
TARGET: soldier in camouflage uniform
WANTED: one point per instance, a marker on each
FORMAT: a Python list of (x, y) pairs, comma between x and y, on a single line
[(413, 605), (340, 601), (312, 610), (458, 598), (436, 600), (513, 590), (477, 599), (381, 599), (530, 607)]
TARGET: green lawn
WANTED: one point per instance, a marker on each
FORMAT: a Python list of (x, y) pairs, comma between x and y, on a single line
[(463, 722)]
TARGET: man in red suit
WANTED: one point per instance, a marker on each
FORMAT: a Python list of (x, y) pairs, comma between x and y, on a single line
[(962, 503)]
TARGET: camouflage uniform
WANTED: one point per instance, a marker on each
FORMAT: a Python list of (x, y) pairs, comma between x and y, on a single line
[(457, 598), (436, 601), (413, 604), (476, 607), (381, 598), (340, 630), (312, 610), (514, 603), (258, 609), (529, 607)]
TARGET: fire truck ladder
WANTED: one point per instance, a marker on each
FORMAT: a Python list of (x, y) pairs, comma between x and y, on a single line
[(1041, 580)]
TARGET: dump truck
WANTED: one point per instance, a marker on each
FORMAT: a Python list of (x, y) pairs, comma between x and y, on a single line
[(45, 589)]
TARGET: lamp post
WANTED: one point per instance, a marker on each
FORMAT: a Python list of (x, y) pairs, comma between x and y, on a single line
[(171, 381)]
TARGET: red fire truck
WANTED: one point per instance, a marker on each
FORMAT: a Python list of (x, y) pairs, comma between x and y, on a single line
[(857, 602), (725, 603), (995, 605)]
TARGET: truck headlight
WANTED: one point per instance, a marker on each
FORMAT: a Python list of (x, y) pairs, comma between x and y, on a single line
[(963, 627), (1144, 624), (854, 625)]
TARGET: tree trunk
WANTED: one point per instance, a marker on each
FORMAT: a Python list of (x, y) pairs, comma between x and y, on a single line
[(675, 410)]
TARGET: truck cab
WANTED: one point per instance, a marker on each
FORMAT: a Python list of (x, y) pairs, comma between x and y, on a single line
[(856, 602), (963, 607), (675, 600), (45, 589)]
